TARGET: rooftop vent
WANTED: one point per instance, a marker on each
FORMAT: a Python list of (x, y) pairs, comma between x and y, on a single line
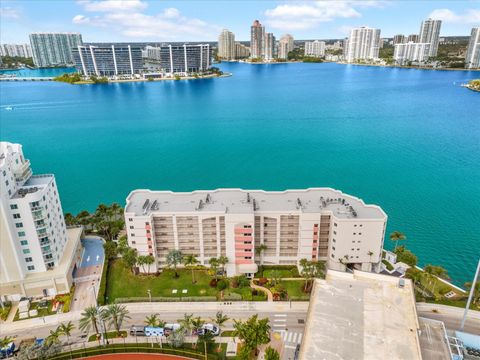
[(154, 205), (208, 199), (248, 197), (255, 205), (200, 205)]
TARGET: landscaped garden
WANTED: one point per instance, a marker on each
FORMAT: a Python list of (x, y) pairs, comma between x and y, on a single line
[(5, 310), (43, 308)]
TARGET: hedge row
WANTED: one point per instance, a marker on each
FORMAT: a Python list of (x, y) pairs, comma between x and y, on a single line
[(103, 284), (166, 299)]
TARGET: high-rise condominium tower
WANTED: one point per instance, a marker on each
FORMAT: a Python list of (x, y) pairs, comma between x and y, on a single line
[(54, 49), (398, 39), (269, 51), (430, 33), (363, 43), (315, 48), (472, 60), (285, 45), (412, 38), (257, 37), (37, 250), (226, 45)]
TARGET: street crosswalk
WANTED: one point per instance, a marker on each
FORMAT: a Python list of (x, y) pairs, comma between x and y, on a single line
[(290, 338)]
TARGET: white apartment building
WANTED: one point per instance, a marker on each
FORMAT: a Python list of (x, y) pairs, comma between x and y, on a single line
[(54, 49), (285, 45), (472, 59), (226, 45), (37, 250), (417, 52), (20, 50), (363, 44), (317, 224), (430, 33), (315, 48)]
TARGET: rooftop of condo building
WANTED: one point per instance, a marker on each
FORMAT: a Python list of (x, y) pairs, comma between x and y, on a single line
[(312, 200)]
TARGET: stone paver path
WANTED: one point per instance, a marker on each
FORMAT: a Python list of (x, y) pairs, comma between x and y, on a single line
[(263, 289)]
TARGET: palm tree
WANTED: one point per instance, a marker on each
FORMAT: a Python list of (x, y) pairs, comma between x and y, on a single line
[(174, 257), (66, 329), (186, 322), (70, 219), (476, 291), (116, 314), (219, 320), (197, 323), (259, 251), (253, 332), (214, 266), (5, 341), (89, 319), (271, 354), (222, 261), (154, 321), (397, 236), (54, 337), (190, 261), (149, 261), (142, 262)]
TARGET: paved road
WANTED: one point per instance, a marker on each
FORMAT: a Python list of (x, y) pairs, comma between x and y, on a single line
[(451, 316), (286, 319)]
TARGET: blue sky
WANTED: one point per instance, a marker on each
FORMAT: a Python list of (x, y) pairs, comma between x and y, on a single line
[(157, 20)]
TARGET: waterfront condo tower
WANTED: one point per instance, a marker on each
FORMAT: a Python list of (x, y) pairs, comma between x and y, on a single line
[(315, 48), (415, 52), (108, 59), (37, 250), (285, 45), (257, 37), (270, 49), (316, 224), (226, 45), (472, 60), (430, 33), (54, 49), (363, 44)]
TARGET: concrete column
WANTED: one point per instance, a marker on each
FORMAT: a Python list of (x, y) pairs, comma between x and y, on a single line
[(201, 58), (92, 53), (131, 61), (175, 232), (81, 59), (171, 59), (185, 57), (114, 59)]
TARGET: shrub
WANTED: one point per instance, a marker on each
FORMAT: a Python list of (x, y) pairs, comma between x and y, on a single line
[(235, 283), (254, 292), (243, 281), (103, 284), (213, 283), (222, 284), (388, 265), (442, 290), (262, 281), (233, 297)]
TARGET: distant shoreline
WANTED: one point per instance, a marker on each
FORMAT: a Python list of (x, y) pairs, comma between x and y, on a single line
[(409, 67)]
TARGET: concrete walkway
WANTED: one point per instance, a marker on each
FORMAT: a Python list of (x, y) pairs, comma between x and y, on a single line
[(262, 289), (12, 313)]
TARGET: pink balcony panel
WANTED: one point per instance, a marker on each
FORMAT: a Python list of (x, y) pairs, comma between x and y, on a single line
[(148, 227), (243, 246), (243, 253), (243, 238), (243, 231), (243, 261)]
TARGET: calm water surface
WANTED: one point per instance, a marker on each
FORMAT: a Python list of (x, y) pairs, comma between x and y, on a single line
[(408, 140)]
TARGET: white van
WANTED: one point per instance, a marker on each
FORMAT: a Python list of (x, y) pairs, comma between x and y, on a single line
[(154, 331)]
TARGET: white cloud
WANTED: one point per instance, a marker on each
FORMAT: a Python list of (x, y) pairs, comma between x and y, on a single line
[(309, 14), (447, 15), (9, 13), (169, 24), (113, 5)]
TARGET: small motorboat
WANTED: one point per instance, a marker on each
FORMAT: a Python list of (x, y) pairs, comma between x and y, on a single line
[(9, 108)]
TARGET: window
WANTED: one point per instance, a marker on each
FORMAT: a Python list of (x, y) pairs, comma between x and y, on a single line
[(359, 233), (28, 259), (334, 232), (148, 231), (21, 233), (333, 248), (147, 223), (18, 225), (31, 267), (4, 173), (23, 242), (333, 256), (26, 251), (6, 182), (361, 225), (134, 242), (355, 225), (354, 233), (334, 240), (13, 206), (132, 234), (131, 227)]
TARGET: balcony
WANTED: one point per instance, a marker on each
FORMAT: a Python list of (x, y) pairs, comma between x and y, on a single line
[(23, 173)]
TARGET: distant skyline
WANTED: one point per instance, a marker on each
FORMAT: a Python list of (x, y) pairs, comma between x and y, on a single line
[(143, 20)]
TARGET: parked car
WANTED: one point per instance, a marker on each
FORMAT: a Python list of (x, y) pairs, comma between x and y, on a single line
[(137, 330), (169, 328), (210, 328), (297, 352)]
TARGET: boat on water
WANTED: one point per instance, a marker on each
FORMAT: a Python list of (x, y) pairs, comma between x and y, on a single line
[(9, 108)]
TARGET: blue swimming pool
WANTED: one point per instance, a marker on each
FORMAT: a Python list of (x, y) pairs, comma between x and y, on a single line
[(93, 253)]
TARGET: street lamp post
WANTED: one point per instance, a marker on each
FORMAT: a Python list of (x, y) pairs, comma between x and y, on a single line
[(149, 295), (472, 290), (102, 323)]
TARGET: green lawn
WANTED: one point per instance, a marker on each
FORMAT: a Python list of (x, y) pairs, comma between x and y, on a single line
[(122, 283), (284, 271), (110, 335), (246, 293), (294, 289), (5, 311), (41, 311)]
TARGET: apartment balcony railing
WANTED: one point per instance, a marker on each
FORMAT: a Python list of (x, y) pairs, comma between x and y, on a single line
[(23, 172)]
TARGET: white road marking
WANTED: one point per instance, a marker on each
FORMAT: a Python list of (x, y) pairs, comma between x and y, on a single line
[(280, 320), (98, 257), (280, 315), (289, 337), (290, 347), (300, 338), (294, 337), (88, 258)]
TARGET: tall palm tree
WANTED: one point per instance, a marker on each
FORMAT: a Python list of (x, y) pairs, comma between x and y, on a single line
[(116, 314), (66, 329), (222, 261), (141, 261), (174, 257), (219, 320), (397, 236), (54, 337), (149, 261), (259, 251), (190, 261), (186, 322), (89, 319), (5, 341), (154, 321), (197, 323), (214, 266)]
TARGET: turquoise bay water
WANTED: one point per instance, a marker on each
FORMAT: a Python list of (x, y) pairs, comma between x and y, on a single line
[(37, 72), (407, 140)]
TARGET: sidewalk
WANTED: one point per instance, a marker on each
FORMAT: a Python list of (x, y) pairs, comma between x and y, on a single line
[(262, 289), (12, 313)]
